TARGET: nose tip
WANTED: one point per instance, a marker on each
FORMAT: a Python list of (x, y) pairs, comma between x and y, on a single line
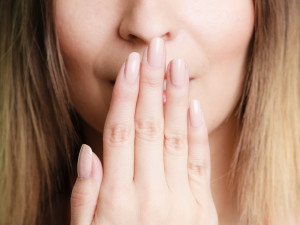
[(147, 40), (145, 20)]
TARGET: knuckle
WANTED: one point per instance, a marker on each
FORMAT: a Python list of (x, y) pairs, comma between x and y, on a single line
[(122, 93), (151, 81), (175, 141), (148, 130), (200, 138), (198, 168), (80, 198), (114, 205), (117, 134), (114, 198)]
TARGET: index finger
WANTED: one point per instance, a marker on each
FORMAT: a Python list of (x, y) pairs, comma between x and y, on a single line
[(118, 134)]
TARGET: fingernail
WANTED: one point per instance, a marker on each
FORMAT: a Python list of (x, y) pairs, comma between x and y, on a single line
[(196, 113), (156, 52), (178, 72), (84, 165), (132, 67)]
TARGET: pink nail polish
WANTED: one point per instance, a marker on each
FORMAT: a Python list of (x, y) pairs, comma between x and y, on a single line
[(84, 165), (196, 114), (178, 72), (132, 67), (156, 52)]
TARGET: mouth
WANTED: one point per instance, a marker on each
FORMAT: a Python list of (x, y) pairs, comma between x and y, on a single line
[(164, 100), (113, 82)]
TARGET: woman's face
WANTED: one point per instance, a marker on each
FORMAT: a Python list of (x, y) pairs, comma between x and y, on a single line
[(96, 36)]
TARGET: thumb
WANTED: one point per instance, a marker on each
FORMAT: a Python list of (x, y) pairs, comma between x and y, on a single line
[(86, 189)]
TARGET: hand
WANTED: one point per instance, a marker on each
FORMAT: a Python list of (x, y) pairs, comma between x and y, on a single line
[(156, 163)]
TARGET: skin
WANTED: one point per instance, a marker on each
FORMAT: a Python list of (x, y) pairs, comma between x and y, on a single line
[(212, 37)]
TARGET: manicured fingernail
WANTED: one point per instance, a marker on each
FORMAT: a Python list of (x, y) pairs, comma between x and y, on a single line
[(178, 73), (156, 52), (132, 67), (84, 165), (196, 114)]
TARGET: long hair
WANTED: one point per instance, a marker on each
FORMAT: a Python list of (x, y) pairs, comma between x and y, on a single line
[(39, 128), (265, 169), (36, 121)]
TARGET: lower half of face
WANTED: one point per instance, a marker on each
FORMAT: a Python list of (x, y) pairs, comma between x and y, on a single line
[(96, 37)]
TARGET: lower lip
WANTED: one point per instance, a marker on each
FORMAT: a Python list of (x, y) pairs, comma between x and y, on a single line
[(164, 98)]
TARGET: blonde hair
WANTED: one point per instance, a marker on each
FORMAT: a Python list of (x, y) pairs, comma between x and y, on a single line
[(40, 133), (36, 120), (266, 164)]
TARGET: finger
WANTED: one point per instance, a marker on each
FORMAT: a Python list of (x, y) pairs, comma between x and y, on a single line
[(86, 189), (175, 143), (199, 152), (118, 134), (149, 122)]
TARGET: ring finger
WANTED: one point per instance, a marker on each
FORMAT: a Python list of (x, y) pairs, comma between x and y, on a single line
[(176, 144)]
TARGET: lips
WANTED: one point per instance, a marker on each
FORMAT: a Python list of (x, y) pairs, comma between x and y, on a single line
[(165, 77), (164, 100), (113, 81)]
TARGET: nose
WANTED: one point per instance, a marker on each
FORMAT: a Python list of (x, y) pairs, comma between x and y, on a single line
[(143, 20)]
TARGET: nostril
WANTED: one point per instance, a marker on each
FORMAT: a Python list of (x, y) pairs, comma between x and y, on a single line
[(132, 37)]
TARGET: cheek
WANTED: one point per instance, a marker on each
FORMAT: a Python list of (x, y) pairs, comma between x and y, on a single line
[(82, 28), (223, 27), (223, 31)]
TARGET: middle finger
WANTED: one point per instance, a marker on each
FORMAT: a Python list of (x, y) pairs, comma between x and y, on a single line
[(149, 121)]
